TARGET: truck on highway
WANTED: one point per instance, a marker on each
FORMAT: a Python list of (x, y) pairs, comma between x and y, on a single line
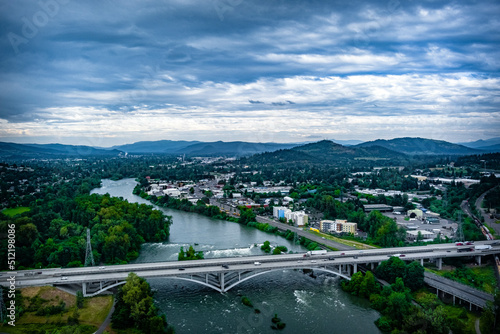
[(316, 252), (483, 247)]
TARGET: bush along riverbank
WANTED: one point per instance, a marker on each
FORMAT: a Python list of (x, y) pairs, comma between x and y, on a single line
[(247, 216), (395, 301)]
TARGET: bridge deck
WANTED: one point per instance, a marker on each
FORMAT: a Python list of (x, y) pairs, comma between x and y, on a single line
[(462, 291)]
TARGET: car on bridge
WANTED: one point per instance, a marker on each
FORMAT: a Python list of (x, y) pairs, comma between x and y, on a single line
[(225, 266)]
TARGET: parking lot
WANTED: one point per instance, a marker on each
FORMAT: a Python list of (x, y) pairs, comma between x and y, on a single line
[(446, 227)]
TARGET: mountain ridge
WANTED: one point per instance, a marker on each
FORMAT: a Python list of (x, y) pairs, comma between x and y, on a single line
[(421, 146)]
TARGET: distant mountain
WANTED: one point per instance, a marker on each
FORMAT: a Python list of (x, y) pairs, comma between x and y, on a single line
[(159, 146), (490, 149), (236, 148), (481, 144), (28, 151), (197, 148), (421, 146), (347, 142), (325, 152)]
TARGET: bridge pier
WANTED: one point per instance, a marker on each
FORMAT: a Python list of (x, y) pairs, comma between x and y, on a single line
[(372, 266), (422, 262), (355, 269), (439, 263), (221, 280), (84, 289), (478, 260)]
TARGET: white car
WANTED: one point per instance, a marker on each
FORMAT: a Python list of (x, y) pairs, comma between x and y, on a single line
[(64, 278)]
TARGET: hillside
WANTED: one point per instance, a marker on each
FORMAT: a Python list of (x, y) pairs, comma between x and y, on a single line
[(421, 146), (159, 146), (237, 148), (483, 144), (325, 152), (51, 151)]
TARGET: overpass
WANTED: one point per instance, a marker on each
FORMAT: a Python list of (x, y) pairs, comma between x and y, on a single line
[(463, 292), (222, 274)]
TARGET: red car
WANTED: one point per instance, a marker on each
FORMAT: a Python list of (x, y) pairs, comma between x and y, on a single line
[(459, 244)]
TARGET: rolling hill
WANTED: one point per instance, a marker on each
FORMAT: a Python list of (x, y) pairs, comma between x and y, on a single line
[(236, 148), (42, 151), (421, 146), (159, 146), (325, 152)]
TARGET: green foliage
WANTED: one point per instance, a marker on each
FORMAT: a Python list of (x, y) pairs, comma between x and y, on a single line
[(412, 274), (190, 254), (394, 302), (466, 276), (52, 309), (11, 212), (246, 216), (53, 232), (246, 301), (266, 247), (79, 299), (361, 285), (135, 308)]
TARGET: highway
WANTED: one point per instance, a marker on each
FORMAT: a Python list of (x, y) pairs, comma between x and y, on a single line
[(303, 233), (464, 292), (215, 266)]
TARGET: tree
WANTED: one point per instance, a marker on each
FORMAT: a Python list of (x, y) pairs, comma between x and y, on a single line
[(391, 269), (246, 216), (190, 254), (266, 247), (135, 308), (79, 299), (414, 276)]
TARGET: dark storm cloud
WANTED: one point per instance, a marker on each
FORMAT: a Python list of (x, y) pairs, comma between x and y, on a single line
[(165, 57)]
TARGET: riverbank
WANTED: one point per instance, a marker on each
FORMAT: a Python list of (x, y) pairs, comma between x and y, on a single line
[(293, 294), (247, 218), (46, 309)]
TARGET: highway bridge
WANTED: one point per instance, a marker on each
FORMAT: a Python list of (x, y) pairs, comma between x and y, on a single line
[(463, 292), (222, 274)]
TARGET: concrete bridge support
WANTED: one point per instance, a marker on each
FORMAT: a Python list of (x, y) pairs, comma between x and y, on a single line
[(478, 260), (439, 263)]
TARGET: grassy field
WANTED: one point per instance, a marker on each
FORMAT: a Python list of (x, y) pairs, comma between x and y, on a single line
[(486, 273), (357, 244), (91, 316), (11, 212)]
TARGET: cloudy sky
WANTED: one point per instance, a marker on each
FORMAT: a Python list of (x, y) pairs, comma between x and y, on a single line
[(109, 72)]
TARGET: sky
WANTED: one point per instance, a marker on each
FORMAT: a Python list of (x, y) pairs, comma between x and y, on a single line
[(105, 72)]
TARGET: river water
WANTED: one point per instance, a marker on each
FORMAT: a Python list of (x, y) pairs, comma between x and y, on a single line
[(305, 303)]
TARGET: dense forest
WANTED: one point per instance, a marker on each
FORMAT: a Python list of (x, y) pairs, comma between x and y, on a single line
[(53, 232)]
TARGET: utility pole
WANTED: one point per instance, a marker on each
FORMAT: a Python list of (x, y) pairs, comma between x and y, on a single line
[(89, 257)]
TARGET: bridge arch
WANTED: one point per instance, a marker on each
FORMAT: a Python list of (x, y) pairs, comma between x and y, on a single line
[(103, 289), (223, 288), (281, 269)]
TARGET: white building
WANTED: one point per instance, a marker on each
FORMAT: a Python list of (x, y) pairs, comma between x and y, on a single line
[(172, 192), (413, 235), (277, 209), (301, 219)]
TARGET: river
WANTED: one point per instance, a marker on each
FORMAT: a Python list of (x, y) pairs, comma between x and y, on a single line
[(306, 304)]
